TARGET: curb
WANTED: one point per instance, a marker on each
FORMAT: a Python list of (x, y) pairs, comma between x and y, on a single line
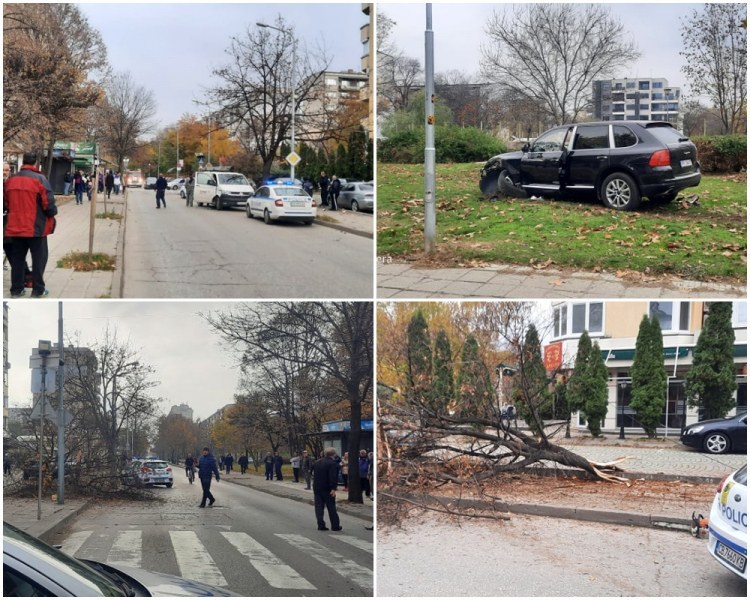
[(611, 517), (345, 229), (118, 277), (557, 472), (339, 507), (63, 522)]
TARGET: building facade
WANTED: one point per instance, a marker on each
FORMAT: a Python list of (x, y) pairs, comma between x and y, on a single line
[(182, 410), (639, 99), (614, 326)]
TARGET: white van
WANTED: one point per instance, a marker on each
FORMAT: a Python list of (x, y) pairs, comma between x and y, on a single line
[(222, 189)]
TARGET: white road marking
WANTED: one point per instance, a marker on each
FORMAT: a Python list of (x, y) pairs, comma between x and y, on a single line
[(127, 549), (75, 541), (270, 567), (193, 559), (356, 542), (360, 575)]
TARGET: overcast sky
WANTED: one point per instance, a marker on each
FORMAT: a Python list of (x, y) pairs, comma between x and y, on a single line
[(172, 48), (187, 357), (459, 32)]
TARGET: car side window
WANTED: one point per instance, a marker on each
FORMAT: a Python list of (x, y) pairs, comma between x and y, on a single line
[(592, 137), (552, 141), (16, 585), (264, 192), (202, 179), (624, 137)]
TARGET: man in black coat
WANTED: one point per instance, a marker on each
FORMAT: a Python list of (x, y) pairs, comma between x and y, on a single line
[(334, 193), (242, 461), (325, 481), (161, 186), (206, 468), (278, 461), (323, 184)]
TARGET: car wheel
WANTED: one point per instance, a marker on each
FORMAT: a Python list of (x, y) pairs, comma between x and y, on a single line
[(182, 194), (620, 192), (665, 198), (266, 217), (507, 186), (308, 221), (716, 443), (248, 212), (169, 485), (355, 206), (218, 203)]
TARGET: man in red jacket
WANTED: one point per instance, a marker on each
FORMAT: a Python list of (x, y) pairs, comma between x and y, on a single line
[(29, 202)]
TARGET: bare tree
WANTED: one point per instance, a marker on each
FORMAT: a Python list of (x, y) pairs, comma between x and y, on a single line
[(255, 90), (338, 342), (551, 54), (126, 113), (715, 52)]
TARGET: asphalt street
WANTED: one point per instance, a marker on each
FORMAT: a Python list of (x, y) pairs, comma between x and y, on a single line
[(540, 556), (250, 542), (199, 252)]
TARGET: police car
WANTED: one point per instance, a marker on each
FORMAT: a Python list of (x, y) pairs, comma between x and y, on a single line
[(282, 200), (727, 525)]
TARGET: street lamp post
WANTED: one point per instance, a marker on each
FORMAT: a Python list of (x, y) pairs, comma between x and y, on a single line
[(45, 349), (623, 386), (290, 32)]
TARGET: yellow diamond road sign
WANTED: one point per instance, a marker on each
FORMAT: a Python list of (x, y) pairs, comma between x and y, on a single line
[(293, 158)]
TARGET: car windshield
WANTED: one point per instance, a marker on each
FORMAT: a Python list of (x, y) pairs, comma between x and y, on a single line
[(288, 190), (155, 464), (365, 187), (71, 566), (232, 179), (741, 476)]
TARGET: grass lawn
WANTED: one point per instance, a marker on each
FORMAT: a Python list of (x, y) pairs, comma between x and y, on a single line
[(703, 241)]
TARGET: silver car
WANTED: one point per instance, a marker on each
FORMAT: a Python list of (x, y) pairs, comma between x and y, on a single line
[(33, 568), (357, 195)]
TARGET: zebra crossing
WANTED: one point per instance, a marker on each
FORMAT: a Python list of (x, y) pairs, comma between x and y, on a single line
[(194, 560)]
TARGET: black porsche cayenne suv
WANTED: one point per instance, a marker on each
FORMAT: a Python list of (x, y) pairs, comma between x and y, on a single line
[(621, 161)]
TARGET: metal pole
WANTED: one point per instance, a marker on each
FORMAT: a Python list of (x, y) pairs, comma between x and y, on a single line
[(41, 439), (60, 411), (158, 166), (177, 163), (429, 151), (209, 135), (294, 64), (92, 211)]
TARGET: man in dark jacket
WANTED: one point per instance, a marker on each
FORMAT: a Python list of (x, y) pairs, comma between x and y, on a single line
[(29, 202), (161, 186), (307, 468), (206, 468), (325, 481), (109, 183), (335, 191), (242, 461), (323, 184), (278, 461), (228, 462), (268, 462)]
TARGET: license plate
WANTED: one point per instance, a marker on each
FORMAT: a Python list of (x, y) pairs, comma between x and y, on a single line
[(686, 163), (730, 556), (298, 203)]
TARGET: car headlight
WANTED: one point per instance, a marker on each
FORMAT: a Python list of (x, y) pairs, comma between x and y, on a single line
[(697, 429)]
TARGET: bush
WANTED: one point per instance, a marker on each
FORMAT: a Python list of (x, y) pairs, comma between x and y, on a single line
[(721, 153), (453, 144)]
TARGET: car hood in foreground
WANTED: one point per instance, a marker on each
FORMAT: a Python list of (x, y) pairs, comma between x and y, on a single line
[(161, 584)]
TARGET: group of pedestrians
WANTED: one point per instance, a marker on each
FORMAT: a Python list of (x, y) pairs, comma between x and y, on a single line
[(329, 191)]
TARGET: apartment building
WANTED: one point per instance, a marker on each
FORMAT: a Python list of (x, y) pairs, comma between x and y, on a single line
[(636, 100), (614, 326)]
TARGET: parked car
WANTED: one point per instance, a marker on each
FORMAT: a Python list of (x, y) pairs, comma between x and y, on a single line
[(357, 196), (150, 183), (620, 161), (222, 189), (174, 184), (282, 202), (154, 472), (727, 524), (33, 568), (717, 436)]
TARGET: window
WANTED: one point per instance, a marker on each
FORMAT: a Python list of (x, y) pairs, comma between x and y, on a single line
[(630, 85), (672, 316), (592, 137), (657, 96), (550, 142), (739, 313), (561, 320), (202, 178), (618, 108), (624, 137), (643, 85), (579, 318), (584, 316), (657, 84)]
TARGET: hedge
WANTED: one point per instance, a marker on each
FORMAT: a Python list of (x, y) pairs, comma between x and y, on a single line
[(721, 153), (453, 144)]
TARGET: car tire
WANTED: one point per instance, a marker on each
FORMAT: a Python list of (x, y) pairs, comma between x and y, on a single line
[(355, 206), (507, 187), (248, 212), (620, 192), (267, 217), (169, 485), (716, 443), (309, 221), (218, 203)]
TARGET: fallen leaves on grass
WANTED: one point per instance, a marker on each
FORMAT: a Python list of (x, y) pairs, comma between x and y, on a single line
[(83, 261)]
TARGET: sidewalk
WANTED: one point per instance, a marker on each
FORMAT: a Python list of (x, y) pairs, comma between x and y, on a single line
[(402, 280), (357, 223), (22, 512), (72, 235)]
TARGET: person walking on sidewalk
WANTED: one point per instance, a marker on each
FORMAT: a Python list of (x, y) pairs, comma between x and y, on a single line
[(109, 183), (307, 468), (79, 186), (228, 462), (296, 460), (67, 183), (325, 481), (345, 470), (30, 203), (161, 186), (242, 461), (207, 468), (364, 469)]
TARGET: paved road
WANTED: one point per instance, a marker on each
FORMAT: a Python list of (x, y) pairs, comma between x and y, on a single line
[(538, 556), (199, 252), (250, 542)]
